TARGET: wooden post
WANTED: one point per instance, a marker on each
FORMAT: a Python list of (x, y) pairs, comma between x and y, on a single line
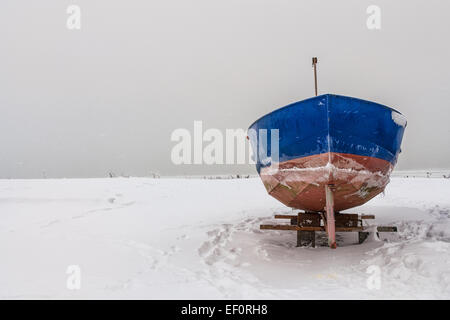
[(306, 237), (314, 63), (299, 233), (362, 236), (330, 223)]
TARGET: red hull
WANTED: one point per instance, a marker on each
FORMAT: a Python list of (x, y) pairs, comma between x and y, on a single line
[(300, 183)]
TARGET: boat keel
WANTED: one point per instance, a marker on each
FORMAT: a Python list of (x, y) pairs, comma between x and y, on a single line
[(330, 219)]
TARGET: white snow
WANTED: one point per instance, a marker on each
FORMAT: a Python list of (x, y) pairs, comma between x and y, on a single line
[(399, 119), (191, 238)]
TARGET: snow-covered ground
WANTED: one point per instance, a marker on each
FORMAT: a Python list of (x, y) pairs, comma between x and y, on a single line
[(192, 238)]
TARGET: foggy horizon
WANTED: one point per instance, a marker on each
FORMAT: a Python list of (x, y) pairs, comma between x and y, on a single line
[(106, 98)]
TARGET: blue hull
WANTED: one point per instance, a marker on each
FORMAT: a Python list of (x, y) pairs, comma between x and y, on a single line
[(331, 123)]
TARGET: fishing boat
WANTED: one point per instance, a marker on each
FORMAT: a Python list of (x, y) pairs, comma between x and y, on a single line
[(333, 153)]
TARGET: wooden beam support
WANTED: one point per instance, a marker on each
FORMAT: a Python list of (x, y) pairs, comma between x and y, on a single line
[(338, 216), (348, 229), (297, 228), (284, 216), (289, 227), (306, 223), (386, 229), (346, 216)]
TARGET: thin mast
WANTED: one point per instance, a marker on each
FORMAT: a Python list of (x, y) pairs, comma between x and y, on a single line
[(314, 62)]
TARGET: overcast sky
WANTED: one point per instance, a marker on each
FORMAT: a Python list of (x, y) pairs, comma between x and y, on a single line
[(106, 98)]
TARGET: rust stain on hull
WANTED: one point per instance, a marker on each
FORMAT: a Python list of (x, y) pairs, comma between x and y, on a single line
[(300, 183)]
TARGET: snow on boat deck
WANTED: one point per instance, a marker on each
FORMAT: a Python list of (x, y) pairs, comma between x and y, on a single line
[(186, 238)]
